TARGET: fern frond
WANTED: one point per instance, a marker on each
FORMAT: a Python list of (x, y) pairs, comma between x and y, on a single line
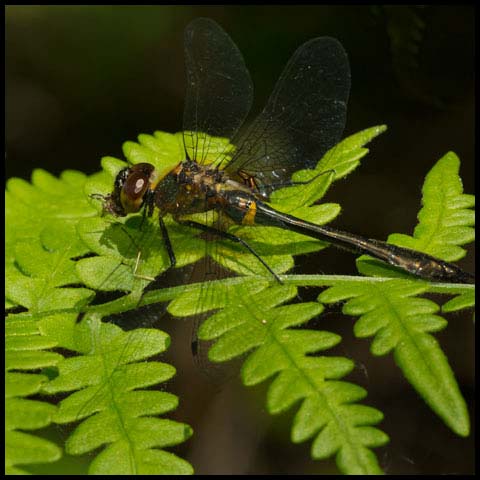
[(401, 322), (446, 219), (464, 300), (24, 351), (336, 164), (260, 321), (41, 239), (109, 380), (42, 252)]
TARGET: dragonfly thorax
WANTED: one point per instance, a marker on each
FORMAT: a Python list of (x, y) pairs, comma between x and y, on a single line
[(194, 188), (193, 177)]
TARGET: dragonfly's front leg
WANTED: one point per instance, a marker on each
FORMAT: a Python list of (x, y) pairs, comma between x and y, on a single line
[(168, 243)]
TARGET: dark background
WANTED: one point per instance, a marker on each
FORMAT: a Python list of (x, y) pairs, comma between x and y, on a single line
[(81, 80)]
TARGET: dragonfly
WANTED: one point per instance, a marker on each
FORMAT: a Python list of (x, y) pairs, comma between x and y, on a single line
[(304, 117)]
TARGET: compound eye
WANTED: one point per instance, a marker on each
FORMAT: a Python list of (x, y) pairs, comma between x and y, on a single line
[(133, 190), (136, 185)]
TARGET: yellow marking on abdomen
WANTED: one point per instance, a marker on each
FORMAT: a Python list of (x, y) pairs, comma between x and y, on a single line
[(249, 217)]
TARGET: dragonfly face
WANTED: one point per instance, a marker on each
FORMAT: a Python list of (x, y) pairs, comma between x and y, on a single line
[(131, 190)]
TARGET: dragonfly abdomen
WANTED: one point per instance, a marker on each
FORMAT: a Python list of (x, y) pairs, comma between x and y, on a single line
[(238, 204), (412, 261)]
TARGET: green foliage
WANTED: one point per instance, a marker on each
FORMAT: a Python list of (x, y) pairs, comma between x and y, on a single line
[(108, 372), (25, 350), (262, 323), (41, 239), (58, 257), (401, 321), (446, 219), (107, 379)]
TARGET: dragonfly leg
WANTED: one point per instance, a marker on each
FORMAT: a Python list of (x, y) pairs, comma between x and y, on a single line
[(330, 171), (168, 244), (147, 210), (233, 238), (291, 183)]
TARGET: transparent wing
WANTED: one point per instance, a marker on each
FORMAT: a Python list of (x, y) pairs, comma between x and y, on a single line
[(304, 117), (219, 88)]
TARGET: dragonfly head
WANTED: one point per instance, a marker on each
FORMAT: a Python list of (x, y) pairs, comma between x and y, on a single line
[(129, 190)]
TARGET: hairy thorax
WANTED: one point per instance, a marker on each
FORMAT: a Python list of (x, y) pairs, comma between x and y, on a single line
[(193, 188)]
